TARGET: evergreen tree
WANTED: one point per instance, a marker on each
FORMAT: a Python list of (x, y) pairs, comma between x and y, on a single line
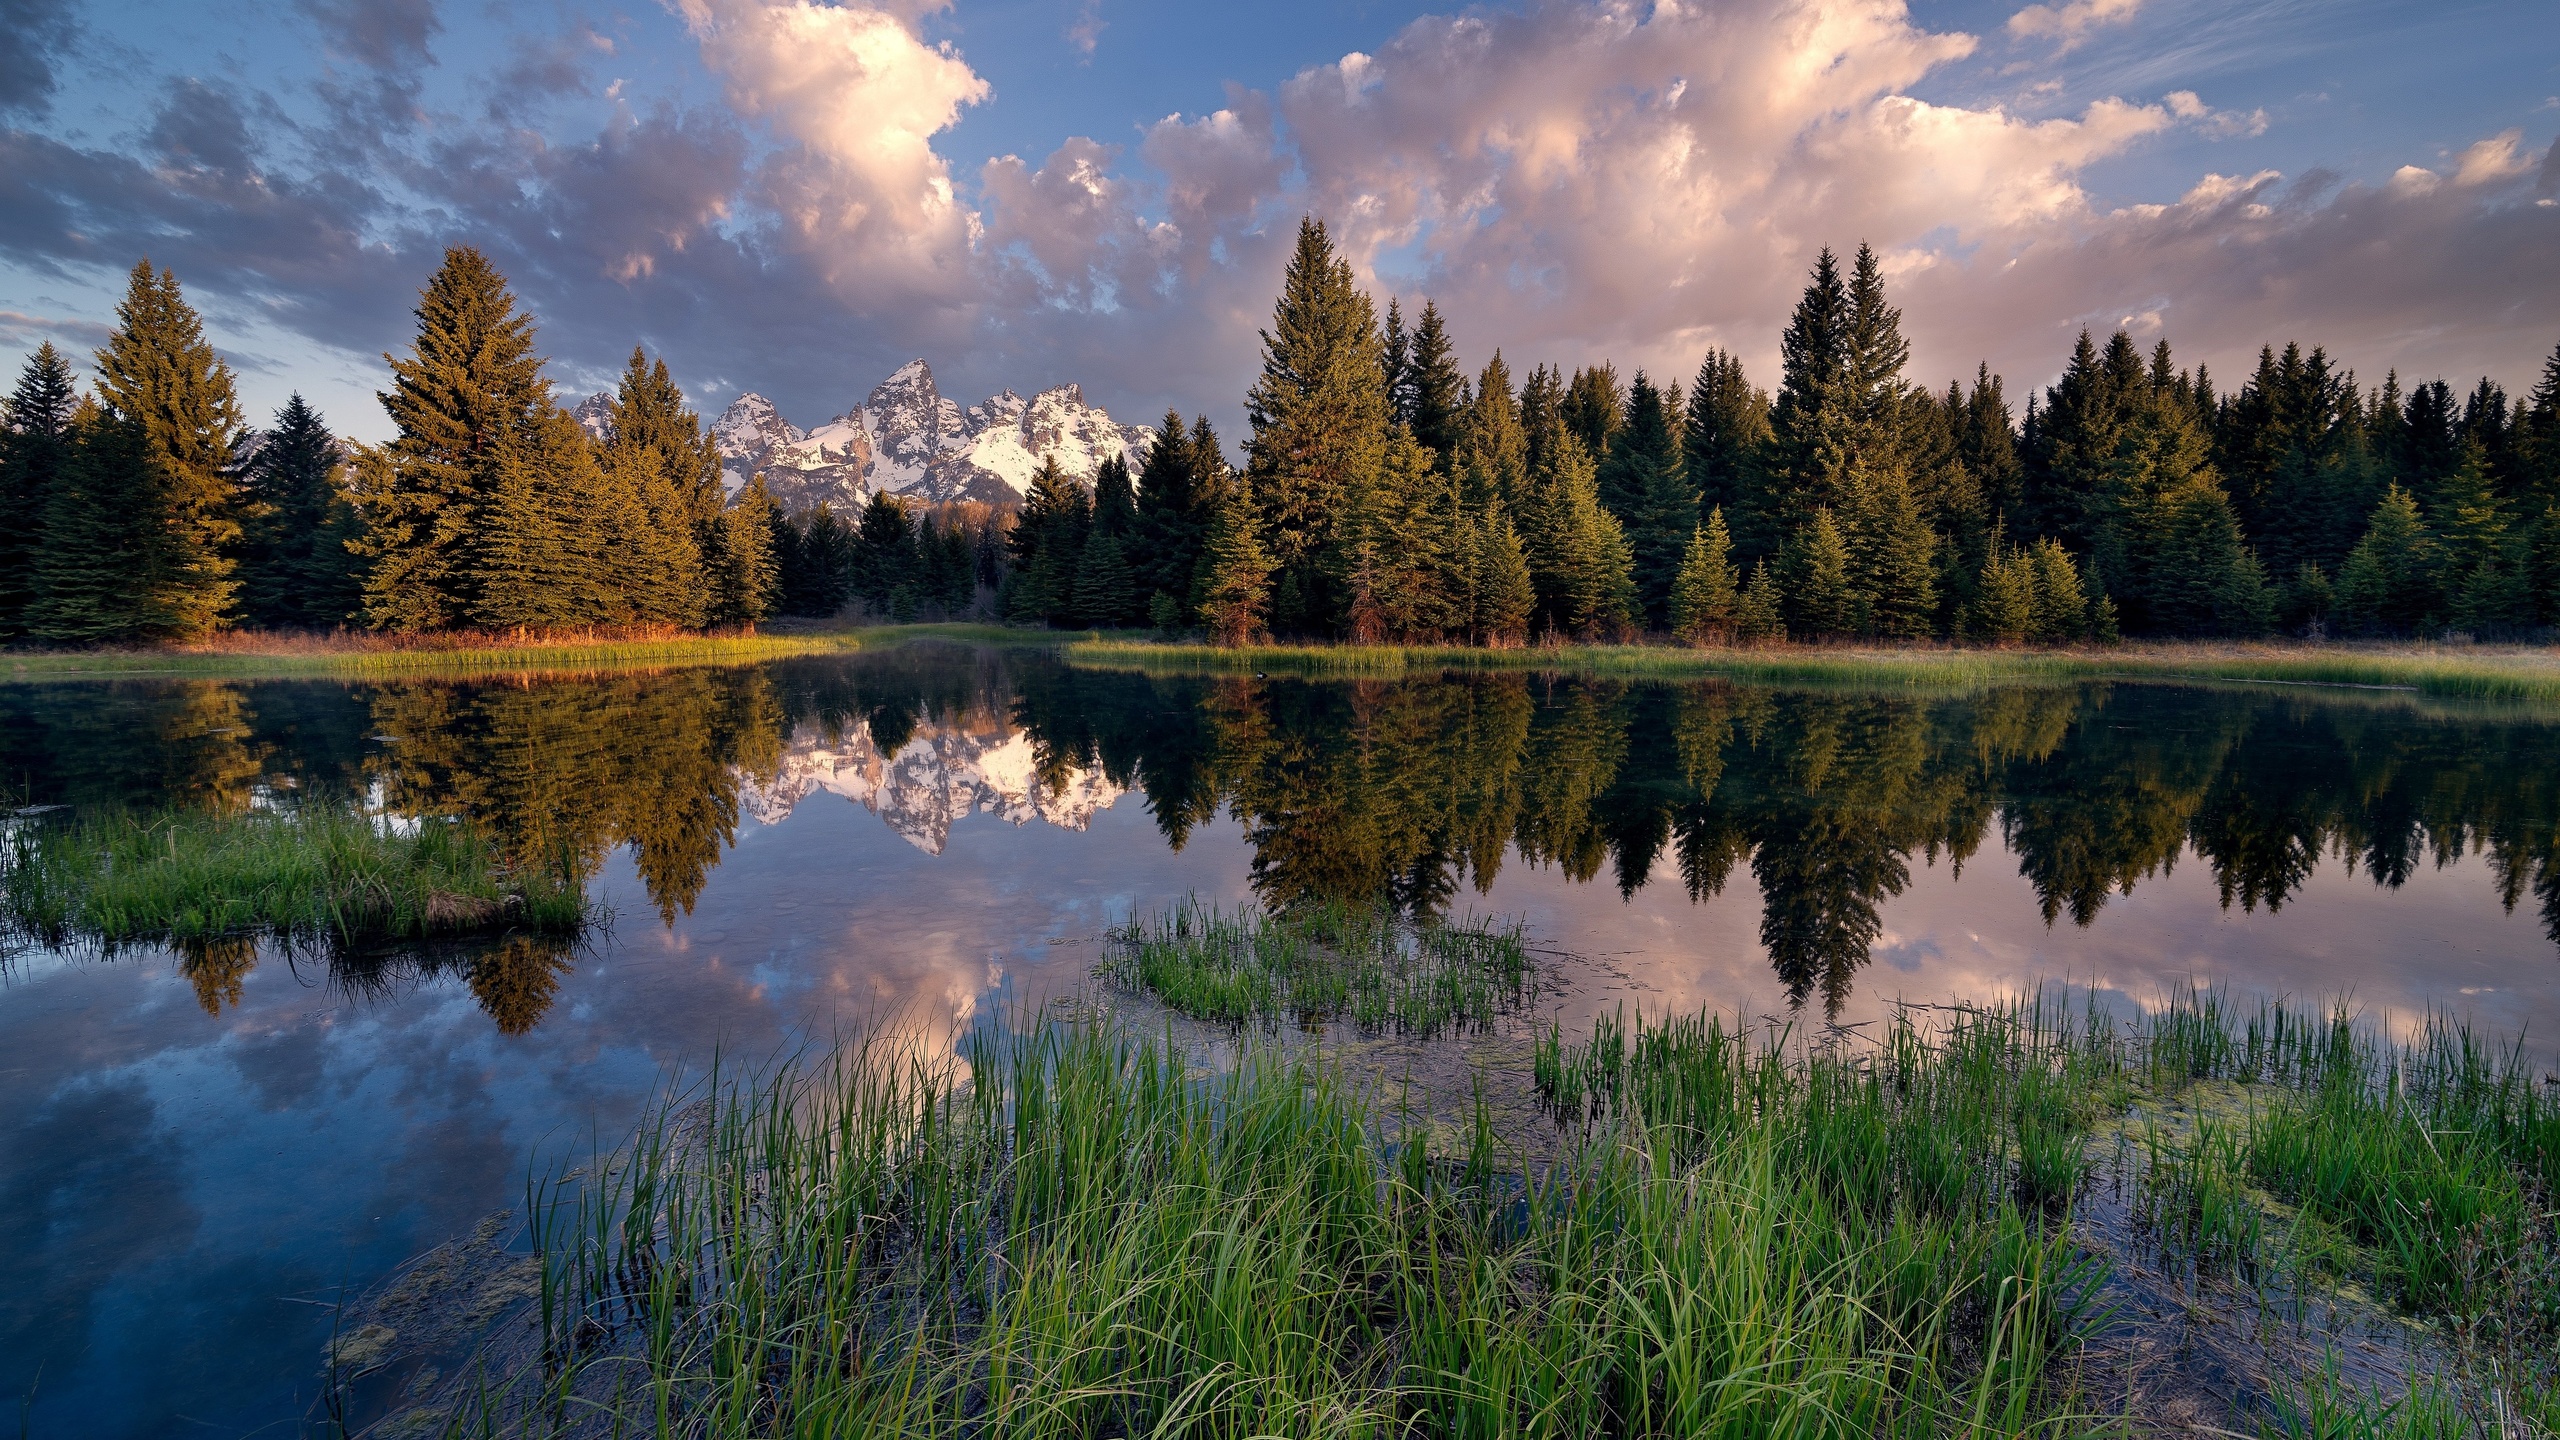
[(1726, 427), (2202, 578), (2076, 437), (814, 559), (1643, 484), (2004, 605), (744, 575), (2390, 581), (1893, 561), (884, 558), (466, 399), (1172, 510), (667, 473), (1593, 407), (2061, 610), (296, 571), (1987, 447), (1398, 363), (1047, 546), (2538, 439), (1493, 449), (1319, 414), (2291, 453), (1235, 577), (2487, 563), (35, 446), (1106, 595), (536, 559), (158, 368), (1506, 595), (1821, 604), (1579, 561), (1812, 425), (1405, 563), (2429, 448), (1758, 615), (1434, 410), (1704, 597), (102, 578)]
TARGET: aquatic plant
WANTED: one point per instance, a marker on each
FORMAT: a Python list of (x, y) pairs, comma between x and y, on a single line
[(316, 871)]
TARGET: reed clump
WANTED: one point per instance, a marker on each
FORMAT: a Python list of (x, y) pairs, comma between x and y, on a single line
[(1321, 963), (318, 871), (1067, 1231)]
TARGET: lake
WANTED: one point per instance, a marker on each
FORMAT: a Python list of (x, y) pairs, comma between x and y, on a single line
[(201, 1152)]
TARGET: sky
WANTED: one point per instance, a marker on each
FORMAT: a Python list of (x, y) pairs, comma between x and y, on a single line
[(796, 198)]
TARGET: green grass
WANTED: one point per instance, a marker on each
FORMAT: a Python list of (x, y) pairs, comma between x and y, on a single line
[(1069, 1233), (1321, 964), (2452, 672), (320, 872), (359, 659)]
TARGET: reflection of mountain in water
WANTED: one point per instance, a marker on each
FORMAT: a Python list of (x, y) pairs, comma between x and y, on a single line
[(942, 774)]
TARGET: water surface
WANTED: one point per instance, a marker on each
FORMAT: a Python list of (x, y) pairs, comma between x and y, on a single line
[(199, 1152)]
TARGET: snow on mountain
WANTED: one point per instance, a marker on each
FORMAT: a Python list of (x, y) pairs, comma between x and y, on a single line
[(907, 439), (940, 776), (595, 416)]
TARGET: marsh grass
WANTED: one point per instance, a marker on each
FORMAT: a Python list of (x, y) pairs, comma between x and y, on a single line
[(319, 872), (1067, 1231), (2517, 673), (1324, 963), (364, 656)]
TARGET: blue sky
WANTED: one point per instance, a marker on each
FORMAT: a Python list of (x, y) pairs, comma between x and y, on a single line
[(794, 198)]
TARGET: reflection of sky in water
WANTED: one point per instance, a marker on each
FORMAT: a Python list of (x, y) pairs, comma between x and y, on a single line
[(174, 1185)]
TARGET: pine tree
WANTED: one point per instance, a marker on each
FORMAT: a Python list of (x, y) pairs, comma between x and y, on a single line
[(1172, 517), (2061, 609), (466, 399), (1435, 386), (2538, 439), (1405, 561), (1822, 604), (1506, 596), (35, 446), (1578, 555), (1319, 414), (1106, 596), (1987, 447), (2201, 578), (657, 453), (158, 368), (1758, 614), (2390, 582), (1493, 449), (1234, 585), (884, 556), (2486, 562), (295, 571), (1812, 424), (1643, 484), (1724, 432), (743, 569), (1047, 546), (1593, 407), (2004, 606), (102, 578), (1892, 561), (1704, 598), (2076, 437), (536, 559)]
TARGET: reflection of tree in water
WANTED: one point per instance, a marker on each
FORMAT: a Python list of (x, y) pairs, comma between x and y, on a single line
[(217, 968), (1405, 792), (515, 981), (562, 771)]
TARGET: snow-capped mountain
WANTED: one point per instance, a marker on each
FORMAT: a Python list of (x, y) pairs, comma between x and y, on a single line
[(908, 440), (943, 774), (595, 416)]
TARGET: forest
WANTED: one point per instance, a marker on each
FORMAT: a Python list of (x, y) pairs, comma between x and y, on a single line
[(1384, 495)]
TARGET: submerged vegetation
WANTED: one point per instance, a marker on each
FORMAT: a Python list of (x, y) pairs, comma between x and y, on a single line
[(318, 873), (1067, 1228)]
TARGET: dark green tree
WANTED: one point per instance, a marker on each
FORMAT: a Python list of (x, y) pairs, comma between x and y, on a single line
[(1723, 433), (1047, 546), (1594, 405), (2391, 582), (296, 571), (1643, 484), (884, 558), (35, 446), (1822, 604), (744, 572), (1234, 587), (1434, 390), (1704, 597), (102, 578), (1813, 422)]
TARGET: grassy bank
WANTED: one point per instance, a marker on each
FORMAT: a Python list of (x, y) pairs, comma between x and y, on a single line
[(319, 873), (362, 657), (1331, 963), (1066, 1229), (2465, 672)]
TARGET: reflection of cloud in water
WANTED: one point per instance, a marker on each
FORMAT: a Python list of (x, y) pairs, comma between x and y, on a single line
[(942, 775)]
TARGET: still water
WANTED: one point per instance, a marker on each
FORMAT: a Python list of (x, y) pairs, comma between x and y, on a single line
[(200, 1152)]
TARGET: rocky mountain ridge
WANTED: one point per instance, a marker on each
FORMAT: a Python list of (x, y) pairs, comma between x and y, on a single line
[(907, 439), (940, 775)]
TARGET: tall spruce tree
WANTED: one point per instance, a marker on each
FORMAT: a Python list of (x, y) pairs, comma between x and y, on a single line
[(2391, 582), (467, 399), (657, 452), (104, 575), (2487, 561), (1319, 414), (1642, 483), (1893, 561), (35, 446), (1707, 590), (1047, 546), (296, 571), (1435, 387), (1814, 418), (1723, 433), (1822, 604), (157, 368), (884, 557), (1506, 594), (1170, 520), (1234, 587), (745, 573), (1987, 447), (1493, 449), (1594, 405)]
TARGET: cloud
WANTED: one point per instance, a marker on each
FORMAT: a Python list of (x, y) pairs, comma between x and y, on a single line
[(26, 332), (377, 34), (1086, 32), (857, 96), (2069, 24), (40, 32)]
